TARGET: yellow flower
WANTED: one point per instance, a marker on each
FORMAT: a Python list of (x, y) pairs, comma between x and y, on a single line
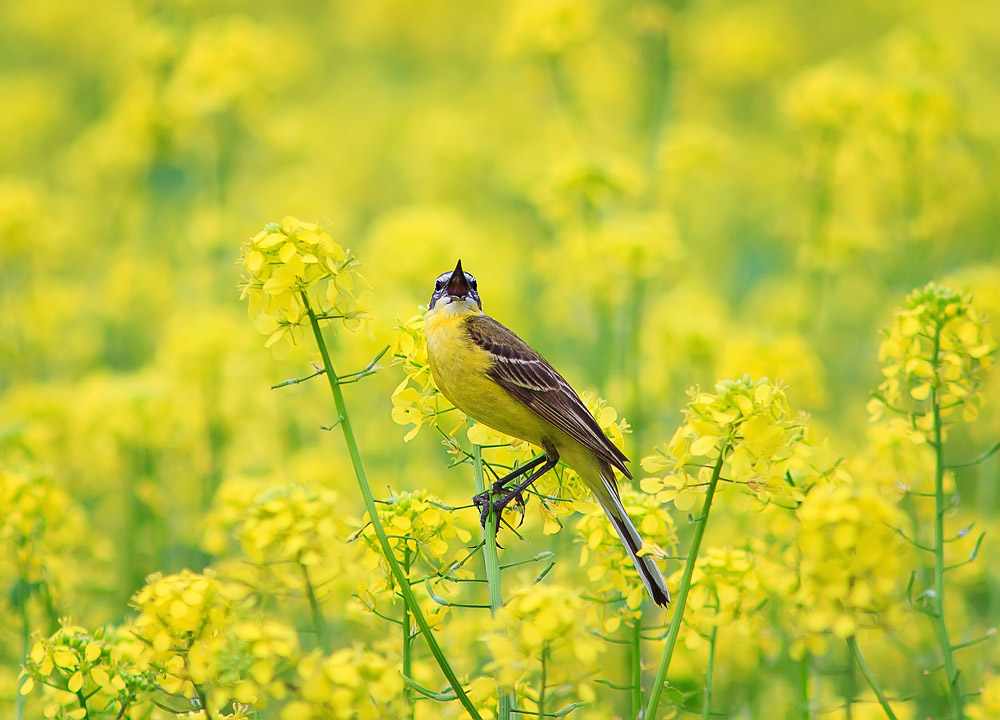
[(288, 259), (423, 534), (852, 564), (247, 664), (544, 633), (75, 662), (351, 684), (726, 592), (546, 27), (936, 352), (177, 612), (750, 425)]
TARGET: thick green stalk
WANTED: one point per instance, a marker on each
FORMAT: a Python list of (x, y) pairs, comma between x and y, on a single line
[(804, 687), (940, 625), (22, 606), (706, 709), (635, 656), (366, 493), (407, 638), (682, 595), (319, 622), (852, 688), (852, 642), (505, 701)]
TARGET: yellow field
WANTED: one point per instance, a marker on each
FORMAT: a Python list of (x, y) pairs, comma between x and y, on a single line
[(761, 238)]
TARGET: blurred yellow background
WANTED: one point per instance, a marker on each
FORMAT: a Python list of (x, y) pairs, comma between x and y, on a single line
[(655, 194)]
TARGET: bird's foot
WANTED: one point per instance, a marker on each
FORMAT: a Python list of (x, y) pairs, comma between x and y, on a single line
[(500, 500)]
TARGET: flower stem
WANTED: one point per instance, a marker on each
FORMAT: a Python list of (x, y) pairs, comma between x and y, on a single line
[(940, 624), (407, 639), (675, 623), (319, 623), (804, 687), (635, 652), (852, 642), (366, 493), (706, 710), (491, 558)]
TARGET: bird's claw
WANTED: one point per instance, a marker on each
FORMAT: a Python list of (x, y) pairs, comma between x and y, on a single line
[(482, 501)]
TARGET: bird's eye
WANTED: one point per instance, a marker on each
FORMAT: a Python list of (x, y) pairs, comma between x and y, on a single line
[(439, 284), (473, 283)]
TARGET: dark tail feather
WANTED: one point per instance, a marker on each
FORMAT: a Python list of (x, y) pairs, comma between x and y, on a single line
[(648, 571)]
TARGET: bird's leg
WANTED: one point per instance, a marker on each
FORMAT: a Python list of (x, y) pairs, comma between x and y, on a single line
[(498, 487), (548, 461)]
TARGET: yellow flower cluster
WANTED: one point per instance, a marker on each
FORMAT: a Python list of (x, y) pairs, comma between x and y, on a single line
[(294, 523), (351, 684), (247, 664), (611, 573), (746, 424), (419, 529), (38, 520), (175, 613), (544, 633), (936, 351), (546, 27), (852, 564), (292, 260), (78, 664), (416, 400), (725, 593)]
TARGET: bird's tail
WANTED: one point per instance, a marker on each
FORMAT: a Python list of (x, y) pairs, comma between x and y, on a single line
[(607, 495)]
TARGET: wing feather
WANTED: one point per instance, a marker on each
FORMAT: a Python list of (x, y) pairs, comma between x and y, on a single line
[(526, 375)]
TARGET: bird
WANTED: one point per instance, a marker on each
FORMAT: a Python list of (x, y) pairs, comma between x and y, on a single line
[(496, 378)]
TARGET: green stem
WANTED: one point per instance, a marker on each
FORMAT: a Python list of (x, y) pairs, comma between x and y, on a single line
[(22, 605), (635, 648), (491, 558), (940, 623), (852, 642), (706, 710), (407, 639), (83, 704), (852, 688), (319, 623), (675, 623), (804, 687), (366, 493), (542, 689)]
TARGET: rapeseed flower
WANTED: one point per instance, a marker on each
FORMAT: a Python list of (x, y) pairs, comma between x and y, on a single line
[(251, 663), (726, 593), (176, 613), (288, 261), (746, 425), (351, 684), (852, 564), (543, 645), (936, 352), (73, 663)]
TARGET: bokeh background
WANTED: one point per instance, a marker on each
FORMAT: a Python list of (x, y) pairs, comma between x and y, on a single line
[(654, 194)]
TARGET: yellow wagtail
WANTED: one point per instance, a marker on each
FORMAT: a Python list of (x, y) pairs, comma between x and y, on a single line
[(495, 377)]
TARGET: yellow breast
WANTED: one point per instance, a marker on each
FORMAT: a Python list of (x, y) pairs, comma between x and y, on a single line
[(460, 368)]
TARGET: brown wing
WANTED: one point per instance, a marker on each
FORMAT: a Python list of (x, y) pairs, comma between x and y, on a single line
[(527, 376)]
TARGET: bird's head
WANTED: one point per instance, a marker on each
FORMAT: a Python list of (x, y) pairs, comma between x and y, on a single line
[(456, 290)]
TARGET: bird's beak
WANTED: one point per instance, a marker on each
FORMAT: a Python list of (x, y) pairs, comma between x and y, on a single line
[(457, 286)]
